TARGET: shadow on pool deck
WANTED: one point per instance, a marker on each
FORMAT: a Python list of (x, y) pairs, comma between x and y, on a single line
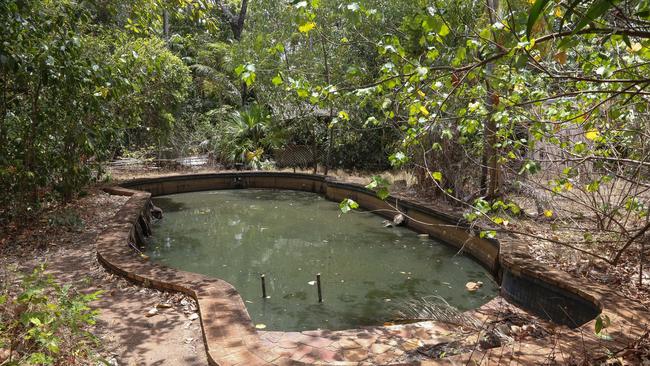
[(125, 332)]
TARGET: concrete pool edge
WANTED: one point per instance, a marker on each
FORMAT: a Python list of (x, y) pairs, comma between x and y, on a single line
[(228, 332)]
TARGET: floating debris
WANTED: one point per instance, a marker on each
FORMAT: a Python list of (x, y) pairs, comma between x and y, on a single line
[(398, 219), (473, 286)]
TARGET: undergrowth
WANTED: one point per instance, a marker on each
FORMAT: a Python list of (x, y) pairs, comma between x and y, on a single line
[(43, 322)]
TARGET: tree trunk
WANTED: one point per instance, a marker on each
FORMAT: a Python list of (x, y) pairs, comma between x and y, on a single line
[(237, 27), (314, 150), (3, 111), (489, 184), (236, 21), (166, 24), (329, 120)]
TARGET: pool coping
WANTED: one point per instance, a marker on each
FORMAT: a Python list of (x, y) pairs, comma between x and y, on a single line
[(230, 337)]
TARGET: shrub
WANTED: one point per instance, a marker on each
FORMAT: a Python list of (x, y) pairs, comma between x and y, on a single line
[(44, 323)]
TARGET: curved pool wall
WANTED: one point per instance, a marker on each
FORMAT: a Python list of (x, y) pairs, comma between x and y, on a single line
[(560, 306), (227, 328)]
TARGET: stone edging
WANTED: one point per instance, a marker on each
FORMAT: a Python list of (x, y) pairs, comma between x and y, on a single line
[(228, 332)]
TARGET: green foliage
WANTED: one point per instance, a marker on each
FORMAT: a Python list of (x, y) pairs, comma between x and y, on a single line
[(380, 185), (160, 82), (247, 134), (52, 91), (602, 323), (246, 73), (348, 205), (535, 13), (67, 96), (469, 97), (44, 323)]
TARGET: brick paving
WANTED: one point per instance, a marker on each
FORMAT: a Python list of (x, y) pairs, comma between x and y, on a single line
[(370, 345)]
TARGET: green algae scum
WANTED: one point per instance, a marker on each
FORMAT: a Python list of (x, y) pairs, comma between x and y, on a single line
[(368, 271)]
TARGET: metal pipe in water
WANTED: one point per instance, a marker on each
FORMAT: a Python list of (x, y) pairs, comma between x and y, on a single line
[(263, 286), (320, 293)]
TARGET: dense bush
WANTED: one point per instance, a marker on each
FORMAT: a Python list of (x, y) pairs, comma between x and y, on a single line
[(66, 97), (160, 82)]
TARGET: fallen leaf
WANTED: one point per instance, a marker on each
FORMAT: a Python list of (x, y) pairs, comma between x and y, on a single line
[(152, 312)]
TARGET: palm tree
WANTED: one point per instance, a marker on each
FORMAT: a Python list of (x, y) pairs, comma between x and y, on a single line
[(248, 134)]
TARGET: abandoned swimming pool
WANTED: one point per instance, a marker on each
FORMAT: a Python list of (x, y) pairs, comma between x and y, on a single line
[(368, 271)]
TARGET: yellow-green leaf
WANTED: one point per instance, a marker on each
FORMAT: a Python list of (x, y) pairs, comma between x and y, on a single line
[(592, 134), (305, 28), (437, 176), (444, 30)]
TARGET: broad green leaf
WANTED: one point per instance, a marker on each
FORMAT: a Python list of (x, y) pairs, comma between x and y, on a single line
[(598, 326), (437, 176), (595, 11), (347, 205), (380, 185), (535, 13), (490, 234), (383, 193), (398, 159), (569, 12)]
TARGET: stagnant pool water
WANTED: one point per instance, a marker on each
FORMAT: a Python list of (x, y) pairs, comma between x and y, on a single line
[(367, 270)]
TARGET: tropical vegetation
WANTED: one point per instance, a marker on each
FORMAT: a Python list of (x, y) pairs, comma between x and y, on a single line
[(489, 105)]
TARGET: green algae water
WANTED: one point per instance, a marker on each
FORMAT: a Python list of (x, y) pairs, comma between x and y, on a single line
[(367, 270)]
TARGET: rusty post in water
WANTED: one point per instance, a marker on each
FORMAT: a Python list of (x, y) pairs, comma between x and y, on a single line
[(320, 294), (263, 286)]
